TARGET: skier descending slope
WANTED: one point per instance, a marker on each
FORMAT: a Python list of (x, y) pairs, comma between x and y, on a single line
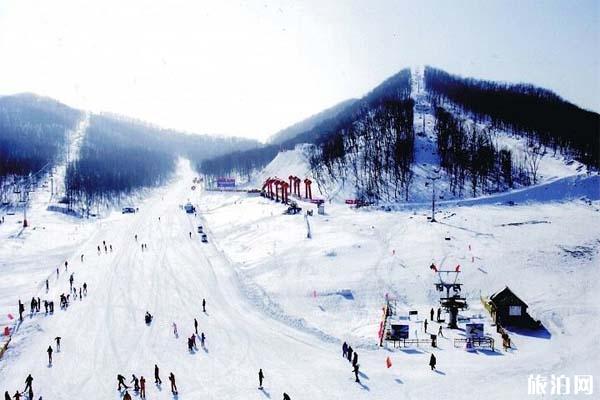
[(157, 379), (173, 384), (260, 378)]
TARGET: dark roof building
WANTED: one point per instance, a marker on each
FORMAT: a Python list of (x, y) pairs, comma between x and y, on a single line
[(508, 309)]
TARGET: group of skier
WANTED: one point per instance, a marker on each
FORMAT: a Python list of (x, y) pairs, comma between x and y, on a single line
[(352, 357), (27, 391), (139, 385), (106, 248)]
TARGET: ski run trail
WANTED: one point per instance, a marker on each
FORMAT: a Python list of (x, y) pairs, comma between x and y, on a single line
[(258, 275)]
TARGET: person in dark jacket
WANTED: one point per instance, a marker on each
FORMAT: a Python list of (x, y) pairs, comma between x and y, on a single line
[(196, 325), (173, 384), (136, 383), (121, 380), (156, 377), (49, 354), (286, 396), (345, 350), (355, 370), (126, 396), (203, 305), (21, 310), (431, 315), (28, 382), (6, 395), (260, 378), (350, 353), (355, 358), (432, 362), (17, 395)]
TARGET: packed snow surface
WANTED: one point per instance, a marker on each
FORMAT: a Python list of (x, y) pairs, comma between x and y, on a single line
[(279, 301)]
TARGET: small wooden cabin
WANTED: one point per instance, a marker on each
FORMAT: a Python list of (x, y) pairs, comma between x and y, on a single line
[(507, 308)]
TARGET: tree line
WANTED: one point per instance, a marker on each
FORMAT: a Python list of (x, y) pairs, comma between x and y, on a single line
[(539, 114), (471, 159)]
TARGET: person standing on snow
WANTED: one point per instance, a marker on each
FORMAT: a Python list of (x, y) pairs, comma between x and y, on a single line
[(21, 310), (203, 305), (28, 382), (431, 315), (175, 329), (202, 338), (126, 396), (350, 353), (82, 258), (432, 362), (47, 286), (345, 350), (440, 331), (355, 359), (173, 385), (425, 326), (196, 325), (17, 395), (49, 354), (156, 377), (355, 370), (66, 265), (142, 387), (71, 281), (84, 288), (136, 383), (439, 314), (286, 396), (57, 343), (121, 380), (260, 378), (6, 395), (190, 235)]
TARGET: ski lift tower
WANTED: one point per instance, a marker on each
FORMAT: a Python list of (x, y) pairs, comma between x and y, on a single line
[(454, 302)]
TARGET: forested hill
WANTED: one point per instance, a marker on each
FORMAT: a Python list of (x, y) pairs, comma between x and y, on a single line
[(112, 156), (393, 89), (524, 109), (33, 133)]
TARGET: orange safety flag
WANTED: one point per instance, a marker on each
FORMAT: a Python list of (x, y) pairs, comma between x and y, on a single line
[(457, 268), (388, 362)]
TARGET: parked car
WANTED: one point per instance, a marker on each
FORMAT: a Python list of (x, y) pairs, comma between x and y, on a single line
[(128, 210), (204, 238)]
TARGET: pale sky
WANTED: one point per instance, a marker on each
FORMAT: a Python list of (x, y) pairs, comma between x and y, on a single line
[(250, 68)]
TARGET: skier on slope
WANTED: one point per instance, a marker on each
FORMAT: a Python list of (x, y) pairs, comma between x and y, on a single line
[(121, 380), (204, 305), (84, 288), (431, 315), (261, 376), (196, 325), (173, 385), (355, 358), (142, 387), (175, 329), (136, 383), (157, 379), (432, 361), (66, 265), (28, 382), (355, 370), (21, 310), (49, 354), (202, 338), (71, 279), (47, 286), (345, 350), (425, 326), (57, 343), (350, 353)]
